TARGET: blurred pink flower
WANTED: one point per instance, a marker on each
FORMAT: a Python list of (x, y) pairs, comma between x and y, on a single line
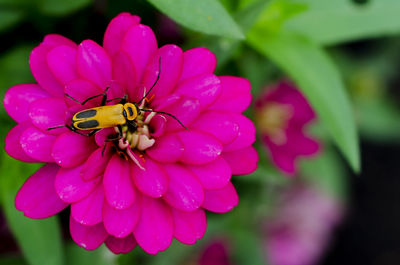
[(282, 112), (302, 228), (156, 182), (216, 253)]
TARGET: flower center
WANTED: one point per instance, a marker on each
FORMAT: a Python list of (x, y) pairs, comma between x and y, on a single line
[(273, 119)]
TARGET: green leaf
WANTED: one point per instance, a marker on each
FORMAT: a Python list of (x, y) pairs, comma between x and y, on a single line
[(207, 16), (313, 71), (76, 255), (39, 240), (9, 17), (332, 22), (60, 8)]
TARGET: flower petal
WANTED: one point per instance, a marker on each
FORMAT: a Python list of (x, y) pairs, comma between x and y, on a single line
[(219, 124), (88, 237), (71, 149), (39, 67), (81, 89), (167, 149), (205, 88), (152, 180), (199, 148), (198, 61), (222, 200), (246, 133), (235, 94), (155, 227), (116, 31), (242, 161), (48, 112), (70, 186), (37, 144), (185, 191), (121, 223), (119, 190), (124, 73), (214, 175), (93, 63), (171, 57), (62, 63), (189, 226), (88, 211), (140, 44), (17, 99), (120, 245), (13, 145), (95, 164), (37, 198)]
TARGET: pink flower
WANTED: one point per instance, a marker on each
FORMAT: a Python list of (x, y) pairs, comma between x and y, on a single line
[(216, 253), (301, 230), (282, 113), (156, 182)]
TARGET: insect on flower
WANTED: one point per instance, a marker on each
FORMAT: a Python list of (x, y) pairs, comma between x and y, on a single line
[(118, 115)]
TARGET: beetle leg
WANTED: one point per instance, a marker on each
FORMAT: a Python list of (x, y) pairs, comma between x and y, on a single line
[(83, 134)]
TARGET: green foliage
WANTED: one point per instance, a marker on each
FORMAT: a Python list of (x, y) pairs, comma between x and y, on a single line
[(207, 16), (58, 8), (76, 255), (9, 17)]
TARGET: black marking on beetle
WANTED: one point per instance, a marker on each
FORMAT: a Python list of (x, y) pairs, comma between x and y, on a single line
[(86, 114), (130, 111), (87, 124), (124, 113)]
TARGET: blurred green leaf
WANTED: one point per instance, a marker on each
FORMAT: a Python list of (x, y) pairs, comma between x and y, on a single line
[(65, 7), (76, 255), (9, 17), (12, 261), (207, 16), (311, 68), (39, 240), (332, 22)]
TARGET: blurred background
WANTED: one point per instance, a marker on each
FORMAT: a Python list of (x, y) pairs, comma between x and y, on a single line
[(325, 213)]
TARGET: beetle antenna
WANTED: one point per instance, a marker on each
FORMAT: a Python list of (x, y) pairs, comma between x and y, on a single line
[(56, 127), (166, 113), (158, 78)]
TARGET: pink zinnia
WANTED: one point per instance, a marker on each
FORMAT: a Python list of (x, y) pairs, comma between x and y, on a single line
[(153, 184), (302, 227), (282, 114)]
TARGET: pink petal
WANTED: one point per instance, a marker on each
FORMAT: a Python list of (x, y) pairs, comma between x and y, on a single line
[(246, 134), (199, 148), (95, 164), (115, 91), (70, 186), (88, 211), (242, 161), (37, 197), (62, 63), (206, 88), (120, 245), (17, 99), (214, 175), (198, 61), (39, 67), (88, 237), (119, 190), (116, 31), (222, 200), (121, 223), (171, 57), (101, 136), (37, 144), (235, 94), (124, 72), (155, 227), (285, 162), (219, 124), (48, 112), (140, 44), (152, 180), (81, 89), (71, 149), (167, 148), (93, 63), (13, 145), (189, 226), (157, 125), (185, 191)]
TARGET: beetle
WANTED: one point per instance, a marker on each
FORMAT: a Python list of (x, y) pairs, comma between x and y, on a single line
[(106, 116)]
